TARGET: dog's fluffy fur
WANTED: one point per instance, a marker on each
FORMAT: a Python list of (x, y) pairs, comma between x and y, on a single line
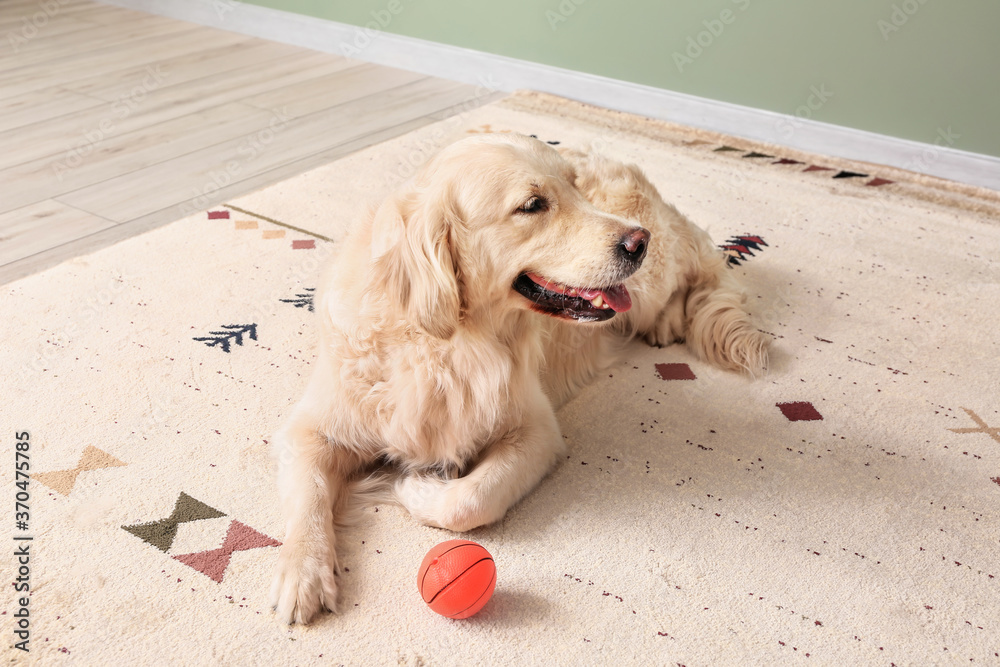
[(432, 363)]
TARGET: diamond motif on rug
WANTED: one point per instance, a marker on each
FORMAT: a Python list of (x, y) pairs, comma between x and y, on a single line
[(799, 411), (675, 372)]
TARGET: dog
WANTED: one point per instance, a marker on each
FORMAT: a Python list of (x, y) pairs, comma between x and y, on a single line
[(459, 315)]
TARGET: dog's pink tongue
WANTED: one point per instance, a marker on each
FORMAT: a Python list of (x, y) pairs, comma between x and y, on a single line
[(616, 297)]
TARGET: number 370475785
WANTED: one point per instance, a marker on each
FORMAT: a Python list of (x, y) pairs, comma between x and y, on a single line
[(22, 465)]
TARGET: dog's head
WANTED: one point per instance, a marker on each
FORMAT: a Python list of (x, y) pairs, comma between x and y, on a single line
[(495, 221)]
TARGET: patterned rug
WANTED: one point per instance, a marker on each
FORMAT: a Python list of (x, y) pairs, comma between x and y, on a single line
[(844, 509)]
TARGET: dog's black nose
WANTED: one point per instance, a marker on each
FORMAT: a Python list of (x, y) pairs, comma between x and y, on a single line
[(632, 246)]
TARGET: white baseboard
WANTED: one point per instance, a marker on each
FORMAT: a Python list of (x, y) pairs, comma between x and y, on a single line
[(509, 74)]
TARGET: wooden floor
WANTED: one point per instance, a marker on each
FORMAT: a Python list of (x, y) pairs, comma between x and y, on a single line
[(113, 122)]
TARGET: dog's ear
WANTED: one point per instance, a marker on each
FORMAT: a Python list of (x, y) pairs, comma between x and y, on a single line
[(413, 260)]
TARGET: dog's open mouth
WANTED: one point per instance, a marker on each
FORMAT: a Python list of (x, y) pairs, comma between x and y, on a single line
[(574, 303)]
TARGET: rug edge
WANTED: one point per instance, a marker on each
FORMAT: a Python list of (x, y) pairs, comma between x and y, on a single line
[(932, 189)]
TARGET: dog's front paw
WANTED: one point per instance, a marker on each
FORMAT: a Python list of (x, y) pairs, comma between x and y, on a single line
[(661, 335), (304, 581), (667, 327)]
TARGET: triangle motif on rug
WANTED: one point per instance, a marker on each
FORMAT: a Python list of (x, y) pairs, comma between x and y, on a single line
[(841, 174), (161, 533), (738, 248), (63, 481), (239, 537), (875, 182)]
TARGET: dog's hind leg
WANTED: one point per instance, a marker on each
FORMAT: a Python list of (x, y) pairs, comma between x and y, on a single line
[(504, 473), (708, 311), (721, 332)]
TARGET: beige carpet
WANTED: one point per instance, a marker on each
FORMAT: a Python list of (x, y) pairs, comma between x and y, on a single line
[(843, 510)]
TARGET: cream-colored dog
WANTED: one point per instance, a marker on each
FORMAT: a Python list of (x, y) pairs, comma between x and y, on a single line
[(460, 314)]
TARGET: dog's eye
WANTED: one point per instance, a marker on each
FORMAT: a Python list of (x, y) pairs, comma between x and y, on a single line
[(534, 205)]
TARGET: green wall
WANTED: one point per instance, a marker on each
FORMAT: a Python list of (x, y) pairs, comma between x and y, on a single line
[(916, 69)]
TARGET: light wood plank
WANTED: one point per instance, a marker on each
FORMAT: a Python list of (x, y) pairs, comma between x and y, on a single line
[(195, 174), (96, 12), (70, 7), (127, 153), (41, 226), (323, 92), (104, 238), (40, 105), (217, 100), (43, 49), (14, 9), (15, 5), (107, 64), (186, 67), (69, 134), (29, 37), (17, 15), (15, 35)]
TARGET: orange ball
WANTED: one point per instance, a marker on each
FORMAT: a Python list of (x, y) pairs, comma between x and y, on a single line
[(457, 578)]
